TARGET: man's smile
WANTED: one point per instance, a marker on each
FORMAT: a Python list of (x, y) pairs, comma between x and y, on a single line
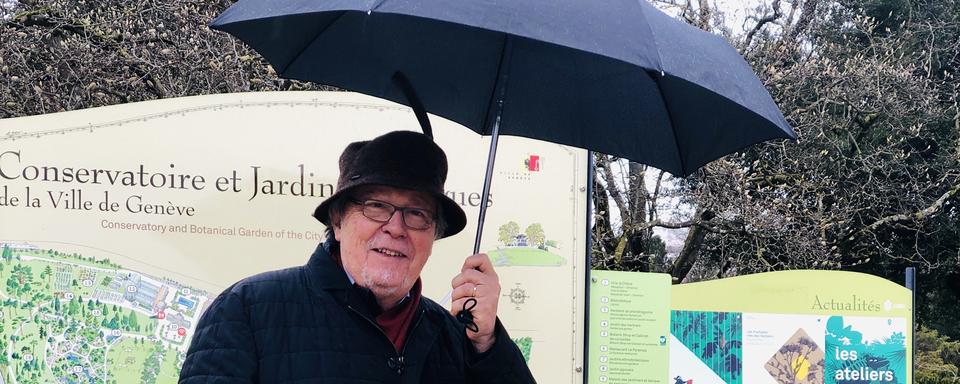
[(389, 252)]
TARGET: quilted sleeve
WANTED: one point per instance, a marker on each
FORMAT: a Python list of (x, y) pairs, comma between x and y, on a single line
[(223, 350)]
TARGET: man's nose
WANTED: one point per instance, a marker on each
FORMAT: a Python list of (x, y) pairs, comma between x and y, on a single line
[(395, 226)]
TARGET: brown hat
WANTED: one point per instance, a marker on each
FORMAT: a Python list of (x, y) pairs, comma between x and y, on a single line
[(401, 159)]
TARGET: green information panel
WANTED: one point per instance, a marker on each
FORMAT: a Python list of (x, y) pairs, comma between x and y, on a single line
[(629, 327)]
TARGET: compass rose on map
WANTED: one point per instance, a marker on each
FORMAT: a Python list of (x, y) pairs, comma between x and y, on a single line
[(517, 296)]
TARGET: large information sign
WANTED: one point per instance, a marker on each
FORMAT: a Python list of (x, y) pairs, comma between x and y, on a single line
[(119, 225), (811, 327)]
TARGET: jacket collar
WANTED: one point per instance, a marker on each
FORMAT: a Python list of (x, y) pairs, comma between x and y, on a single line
[(326, 277), (323, 274)]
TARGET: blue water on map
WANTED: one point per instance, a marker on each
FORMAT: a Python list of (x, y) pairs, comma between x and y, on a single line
[(186, 302)]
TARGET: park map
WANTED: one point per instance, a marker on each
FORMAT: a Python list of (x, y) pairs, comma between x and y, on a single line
[(78, 319)]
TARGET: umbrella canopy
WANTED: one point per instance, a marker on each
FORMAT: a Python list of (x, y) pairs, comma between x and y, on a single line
[(618, 77)]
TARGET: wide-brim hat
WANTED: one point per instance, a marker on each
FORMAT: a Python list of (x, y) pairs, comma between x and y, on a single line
[(400, 159)]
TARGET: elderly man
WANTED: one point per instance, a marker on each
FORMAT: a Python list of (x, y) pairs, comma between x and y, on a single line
[(354, 313)]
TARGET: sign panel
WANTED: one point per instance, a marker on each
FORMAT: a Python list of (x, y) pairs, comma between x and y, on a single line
[(119, 225), (781, 327), (629, 325)]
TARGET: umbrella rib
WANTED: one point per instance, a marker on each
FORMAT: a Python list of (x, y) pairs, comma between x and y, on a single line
[(282, 72), (673, 126)]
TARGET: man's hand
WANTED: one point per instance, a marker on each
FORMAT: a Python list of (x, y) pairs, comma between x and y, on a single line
[(478, 280)]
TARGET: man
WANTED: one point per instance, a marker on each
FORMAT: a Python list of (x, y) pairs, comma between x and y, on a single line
[(354, 313)]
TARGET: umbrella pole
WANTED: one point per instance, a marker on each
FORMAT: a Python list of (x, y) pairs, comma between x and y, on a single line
[(491, 158), (496, 111), (465, 316)]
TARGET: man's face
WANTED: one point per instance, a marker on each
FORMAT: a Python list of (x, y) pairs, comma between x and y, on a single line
[(385, 258)]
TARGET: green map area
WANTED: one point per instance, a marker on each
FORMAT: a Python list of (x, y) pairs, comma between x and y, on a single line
[(525, 344), (530, 248), (525, 256), (72, 318)]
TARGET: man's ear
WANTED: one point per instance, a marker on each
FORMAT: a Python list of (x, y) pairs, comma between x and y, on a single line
[(335, 224)]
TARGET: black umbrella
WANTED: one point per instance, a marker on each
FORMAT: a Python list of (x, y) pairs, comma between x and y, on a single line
[(618, 76), (615, 76)]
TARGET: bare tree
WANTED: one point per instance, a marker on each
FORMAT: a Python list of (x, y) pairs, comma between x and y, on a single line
[(877, 158), (66, 54)]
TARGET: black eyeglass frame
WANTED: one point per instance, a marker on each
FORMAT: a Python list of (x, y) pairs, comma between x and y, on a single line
[(430, 217)]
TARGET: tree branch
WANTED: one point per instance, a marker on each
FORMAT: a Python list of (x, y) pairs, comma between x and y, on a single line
[(806, 16), (612, 188), (691, 248), (906, 217), (763, 21)]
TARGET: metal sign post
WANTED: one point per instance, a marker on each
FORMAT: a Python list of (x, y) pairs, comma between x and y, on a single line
[(911, 283)]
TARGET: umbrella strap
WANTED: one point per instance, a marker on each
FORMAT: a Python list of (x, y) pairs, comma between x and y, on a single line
[(414, 101), (465, 317)]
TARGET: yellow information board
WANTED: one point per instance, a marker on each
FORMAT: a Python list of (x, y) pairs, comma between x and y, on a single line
[(119, 224), (810, 327)]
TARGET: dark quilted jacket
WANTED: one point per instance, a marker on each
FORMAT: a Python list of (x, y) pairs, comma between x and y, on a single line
[(310, 325)]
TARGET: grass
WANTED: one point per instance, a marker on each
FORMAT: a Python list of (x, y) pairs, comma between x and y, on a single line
[(28, 336), (126, 360), (525, 256), (169, 369), (60, 257)]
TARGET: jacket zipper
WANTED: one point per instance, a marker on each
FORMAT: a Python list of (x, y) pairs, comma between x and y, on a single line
[(386, 338)]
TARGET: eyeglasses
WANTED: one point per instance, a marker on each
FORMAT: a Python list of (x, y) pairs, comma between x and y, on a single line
[(381, 212)]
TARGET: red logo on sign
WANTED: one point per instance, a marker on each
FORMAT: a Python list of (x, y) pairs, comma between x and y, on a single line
[(533, 163), (161, 315), (181, 331)]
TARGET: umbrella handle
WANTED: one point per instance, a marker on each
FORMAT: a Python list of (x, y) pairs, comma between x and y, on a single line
[(414, 101)]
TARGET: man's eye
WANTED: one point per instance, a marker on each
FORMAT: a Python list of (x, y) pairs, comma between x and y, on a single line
[(418, 213), (376, 204)]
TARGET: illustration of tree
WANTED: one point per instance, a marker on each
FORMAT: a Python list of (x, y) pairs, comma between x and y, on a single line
[(73, 308), (12, 284), (19, 281), (508, 232), (132, 319), (1, 271), (535, 234), (7, 253), (48, 272)]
